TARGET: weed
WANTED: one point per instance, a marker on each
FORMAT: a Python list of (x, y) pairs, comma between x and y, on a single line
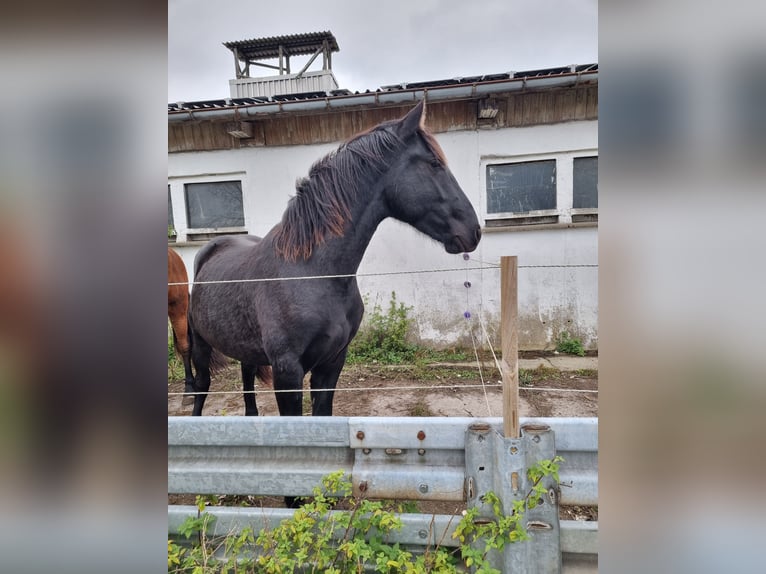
[(315, 539), (444, 355), (383, 338), (590, 373), (569, 345), (175, 364), (420, 409), (526, 377)]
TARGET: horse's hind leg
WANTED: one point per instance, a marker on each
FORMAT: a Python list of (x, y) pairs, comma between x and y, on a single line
[(182, 341), (201, 353), (248, 386)]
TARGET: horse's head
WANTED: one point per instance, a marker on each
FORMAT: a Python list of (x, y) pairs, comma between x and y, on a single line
[(422, 191)]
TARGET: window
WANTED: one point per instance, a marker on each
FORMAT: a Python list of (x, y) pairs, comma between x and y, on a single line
[(585, 185), (585, 189), (525, 188), (171, 225), (214, 205)]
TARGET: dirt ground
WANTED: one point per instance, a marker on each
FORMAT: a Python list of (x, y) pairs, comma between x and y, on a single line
[(443, 390)]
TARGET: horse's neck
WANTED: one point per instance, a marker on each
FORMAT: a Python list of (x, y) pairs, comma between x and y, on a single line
[(343, 255)]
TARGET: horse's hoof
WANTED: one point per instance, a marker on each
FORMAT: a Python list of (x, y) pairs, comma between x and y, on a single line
[(187, 401)]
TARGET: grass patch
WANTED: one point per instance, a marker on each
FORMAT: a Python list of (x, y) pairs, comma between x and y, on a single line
[(453, 355), (175, 364), (541, 373), (420, 409), (525, 377)]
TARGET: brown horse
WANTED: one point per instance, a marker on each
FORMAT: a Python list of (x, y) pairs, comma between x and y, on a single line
[(178, 309)]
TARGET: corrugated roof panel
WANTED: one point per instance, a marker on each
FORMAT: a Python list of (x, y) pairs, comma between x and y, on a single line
[(296, 44), (544, 72)]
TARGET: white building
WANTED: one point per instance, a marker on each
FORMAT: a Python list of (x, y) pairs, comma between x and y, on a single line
[(523, 146)]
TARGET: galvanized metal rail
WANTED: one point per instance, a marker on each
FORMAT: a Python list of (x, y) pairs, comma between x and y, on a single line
[(392, 458)]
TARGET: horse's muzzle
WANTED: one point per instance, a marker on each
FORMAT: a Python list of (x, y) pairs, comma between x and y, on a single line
[(464, 243)]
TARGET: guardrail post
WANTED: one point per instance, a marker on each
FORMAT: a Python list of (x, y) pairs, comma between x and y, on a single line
[(498, 464)]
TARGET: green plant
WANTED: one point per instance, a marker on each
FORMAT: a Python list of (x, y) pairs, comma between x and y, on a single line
[(478, 537), (383, 337), (420, 409), (444, 355), (526, 377), (209, 555), (569, 345), (344, 542)]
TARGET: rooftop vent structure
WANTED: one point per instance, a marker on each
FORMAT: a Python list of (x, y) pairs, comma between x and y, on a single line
[(249, 53)]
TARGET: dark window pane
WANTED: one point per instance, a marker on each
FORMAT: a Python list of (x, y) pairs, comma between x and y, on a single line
[(170, 211), (521, 187), (585, 182), (214, 204)]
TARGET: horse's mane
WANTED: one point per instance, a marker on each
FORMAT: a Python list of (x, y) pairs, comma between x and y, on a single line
[(321, 206)]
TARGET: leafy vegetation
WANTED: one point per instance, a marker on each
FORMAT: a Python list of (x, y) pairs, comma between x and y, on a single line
[(317, 539), (569, 345), (383, 339)]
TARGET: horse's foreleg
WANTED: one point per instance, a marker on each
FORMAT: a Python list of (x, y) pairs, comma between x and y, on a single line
[(248, 386), (324, 378), (288, 376)]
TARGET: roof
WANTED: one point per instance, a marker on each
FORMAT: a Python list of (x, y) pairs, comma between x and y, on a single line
[(492, 77), (294, 45), (547, 77)]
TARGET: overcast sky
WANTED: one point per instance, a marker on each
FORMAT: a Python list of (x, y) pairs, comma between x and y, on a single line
[(383, 42)]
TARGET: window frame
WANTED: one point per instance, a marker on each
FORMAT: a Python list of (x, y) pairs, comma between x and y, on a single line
[(584, 211), (559, 217), (535, 213), (188, 234)]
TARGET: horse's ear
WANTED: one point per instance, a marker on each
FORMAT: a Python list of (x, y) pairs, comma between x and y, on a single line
[(415, 119)]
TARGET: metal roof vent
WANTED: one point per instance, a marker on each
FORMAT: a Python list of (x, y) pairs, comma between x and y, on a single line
[(487, 109)]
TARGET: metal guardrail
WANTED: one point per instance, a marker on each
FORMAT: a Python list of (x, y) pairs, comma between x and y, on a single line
[(288, 456), (390, 458)]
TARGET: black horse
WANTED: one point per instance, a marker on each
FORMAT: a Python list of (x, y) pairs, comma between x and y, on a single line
[(396, 169)]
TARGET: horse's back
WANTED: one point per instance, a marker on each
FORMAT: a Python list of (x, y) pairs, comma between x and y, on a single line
[(222, 245)]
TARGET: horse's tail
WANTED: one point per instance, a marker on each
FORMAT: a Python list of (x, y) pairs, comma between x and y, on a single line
[(218, 361), (265, 374)]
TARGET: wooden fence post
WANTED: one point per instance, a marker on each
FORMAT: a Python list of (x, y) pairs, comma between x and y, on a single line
[(509, 335)]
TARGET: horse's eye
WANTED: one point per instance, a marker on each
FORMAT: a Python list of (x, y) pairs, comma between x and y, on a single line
[(436, 164)]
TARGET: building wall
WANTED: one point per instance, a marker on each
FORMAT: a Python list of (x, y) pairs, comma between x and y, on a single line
[(551, 299)]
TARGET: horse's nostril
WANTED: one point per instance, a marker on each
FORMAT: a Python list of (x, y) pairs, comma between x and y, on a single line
[(478, 234)]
